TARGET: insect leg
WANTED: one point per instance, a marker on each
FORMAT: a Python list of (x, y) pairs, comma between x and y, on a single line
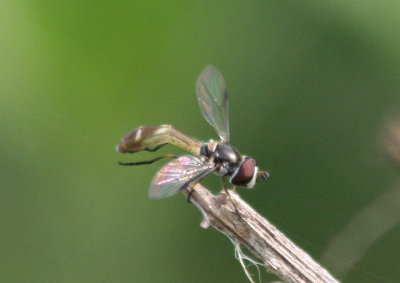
[(146, 162), (223, 180), (230, 198), (191, 191), (154, 148), (189, 186)]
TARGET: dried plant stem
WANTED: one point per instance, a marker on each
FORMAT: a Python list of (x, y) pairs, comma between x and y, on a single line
[(279, 255)]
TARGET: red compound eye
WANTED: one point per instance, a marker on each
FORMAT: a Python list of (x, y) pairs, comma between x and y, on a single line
[(245, 173)]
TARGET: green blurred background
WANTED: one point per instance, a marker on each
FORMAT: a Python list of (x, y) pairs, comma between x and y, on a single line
[(310, 82)]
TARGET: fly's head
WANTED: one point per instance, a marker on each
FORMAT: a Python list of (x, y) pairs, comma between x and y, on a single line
[(245, 175)]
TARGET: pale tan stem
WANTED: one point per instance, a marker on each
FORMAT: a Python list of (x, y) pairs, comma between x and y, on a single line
[(279, 255)]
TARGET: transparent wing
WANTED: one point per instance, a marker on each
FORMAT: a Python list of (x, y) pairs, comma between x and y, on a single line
[(213, 100), (177, 175)]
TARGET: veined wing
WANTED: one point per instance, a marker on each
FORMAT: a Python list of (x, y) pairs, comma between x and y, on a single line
[(213, 100), (177, 175)]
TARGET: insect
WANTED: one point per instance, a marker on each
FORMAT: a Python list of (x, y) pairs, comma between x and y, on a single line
[(217, 157)]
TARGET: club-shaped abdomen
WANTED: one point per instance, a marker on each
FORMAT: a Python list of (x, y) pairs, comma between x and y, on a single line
[(145, 137), (246, 174)]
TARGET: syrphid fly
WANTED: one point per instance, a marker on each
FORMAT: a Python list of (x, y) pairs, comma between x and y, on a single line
[(218, 157)]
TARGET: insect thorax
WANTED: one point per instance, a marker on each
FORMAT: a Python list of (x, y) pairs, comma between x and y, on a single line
[(225, 157)]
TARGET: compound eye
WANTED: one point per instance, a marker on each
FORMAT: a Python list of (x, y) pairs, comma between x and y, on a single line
[(246, 172)]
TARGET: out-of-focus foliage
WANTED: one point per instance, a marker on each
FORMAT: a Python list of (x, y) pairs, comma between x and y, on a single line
[(310, 83)]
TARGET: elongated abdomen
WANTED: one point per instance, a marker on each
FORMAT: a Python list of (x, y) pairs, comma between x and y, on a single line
[(152, 136)]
